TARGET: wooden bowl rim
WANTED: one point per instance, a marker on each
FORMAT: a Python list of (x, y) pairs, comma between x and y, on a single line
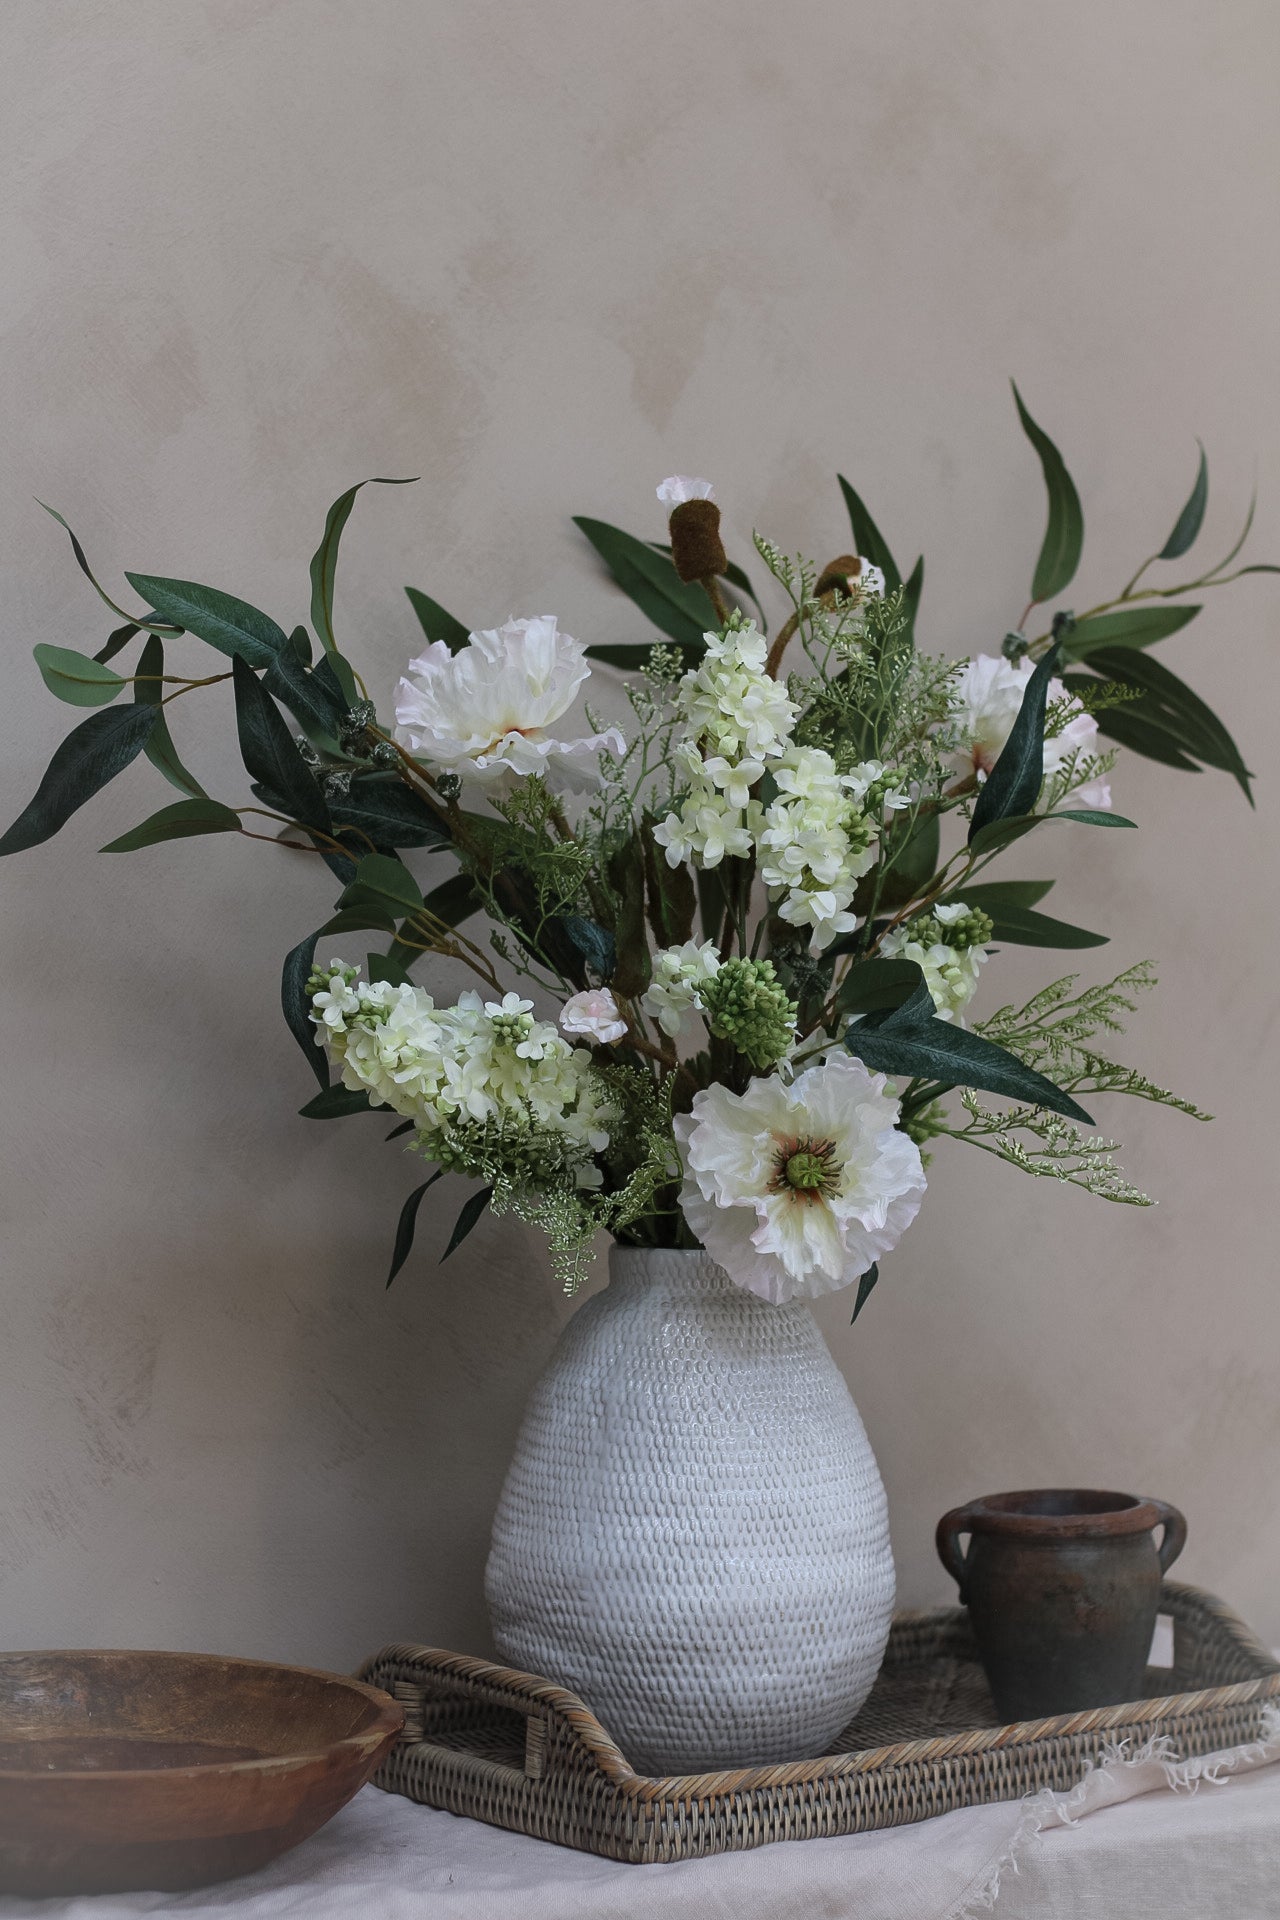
[(387, 1723)]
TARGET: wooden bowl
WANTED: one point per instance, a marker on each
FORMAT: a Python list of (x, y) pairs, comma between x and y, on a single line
[(163, 1770)]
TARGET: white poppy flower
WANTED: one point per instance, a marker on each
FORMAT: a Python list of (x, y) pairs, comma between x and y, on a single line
[(594, 1014), (680, 487), (484, 712), (987, 694), (796, 1190)]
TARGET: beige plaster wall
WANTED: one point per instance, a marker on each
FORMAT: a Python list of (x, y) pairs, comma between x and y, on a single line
[(254, 250)]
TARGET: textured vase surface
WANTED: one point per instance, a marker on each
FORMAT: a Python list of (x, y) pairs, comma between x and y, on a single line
[(693, 1532)]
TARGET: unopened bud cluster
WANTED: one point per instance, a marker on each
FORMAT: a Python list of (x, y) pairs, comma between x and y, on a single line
[(747, 1004)]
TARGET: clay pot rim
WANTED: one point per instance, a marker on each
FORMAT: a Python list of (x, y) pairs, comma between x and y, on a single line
[(1028, 1514)]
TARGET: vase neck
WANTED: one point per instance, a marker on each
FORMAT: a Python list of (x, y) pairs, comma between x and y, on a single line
[(667, 1266)]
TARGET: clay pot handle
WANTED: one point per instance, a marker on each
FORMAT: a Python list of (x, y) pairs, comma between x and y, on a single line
[(947, 1540), (1175, 1533)]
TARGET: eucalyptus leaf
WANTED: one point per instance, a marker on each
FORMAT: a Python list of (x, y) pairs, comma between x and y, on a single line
[(358, 917), (335, 1103), (454, 900), (1064, 533), (219, 619), (270, 752), (436, 623), (309, 699), (90, 756), (679, 609), (135, 620), (1167, 718), (878, 983), (382, 966), (148, 691), (381, 876), (1023, 927), (1001, 833), (75, 678), (910, 1042), (470, 1214), (324, 561), (870, 543), (1013, 785), (992, 895), (116, 642), (866, 1285), (183, 820), (1126, 627), (407, 1222), (296, 1005), (336, 677), (389, 812), (1189, 521)]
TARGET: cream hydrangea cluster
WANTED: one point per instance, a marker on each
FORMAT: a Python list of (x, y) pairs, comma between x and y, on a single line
[(948, 946), (479, 1061)]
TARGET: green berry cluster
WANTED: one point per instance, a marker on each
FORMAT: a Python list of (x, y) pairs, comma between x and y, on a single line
[(974, 929), (747, 1004)]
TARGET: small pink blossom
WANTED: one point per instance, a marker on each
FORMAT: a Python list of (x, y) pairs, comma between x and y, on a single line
[(594, 1014), (679, 488)]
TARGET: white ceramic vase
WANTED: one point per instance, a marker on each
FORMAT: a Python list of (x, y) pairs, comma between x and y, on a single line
[(693, 1533)]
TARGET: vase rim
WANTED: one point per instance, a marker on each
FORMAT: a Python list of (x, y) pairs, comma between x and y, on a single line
[(690, 1266)]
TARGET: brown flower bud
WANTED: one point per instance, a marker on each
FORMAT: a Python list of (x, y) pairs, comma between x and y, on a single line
[(837, 573), (696, 548)]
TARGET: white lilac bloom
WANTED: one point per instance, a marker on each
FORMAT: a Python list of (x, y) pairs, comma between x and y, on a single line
[(485, 712), (678, 975), (442, 1067), (737, 723), (987, 694), (797, 1189), (593, 1014), (680, 487), (815, 844), (947, 946)]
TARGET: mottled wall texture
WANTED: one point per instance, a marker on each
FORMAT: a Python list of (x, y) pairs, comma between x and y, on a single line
[(542, 255)]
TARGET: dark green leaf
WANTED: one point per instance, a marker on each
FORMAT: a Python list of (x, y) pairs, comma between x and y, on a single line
[(1025, 928), (454, 900), (1178, 719), (380, 876), (910, 1046), (679, 610), (75, 678), (309, 699), (183, 820), (710, 883), (408, 1221), (1127, 627), (911, 855), (87, 571), (324, 561), (296, 1005), (878, 983), (1187, 525), (735, 576), (219, 619), (1013, 785), (911, 596), (436, 623), (1064, 534), (471, 1211), (300, 646), (1001, 833), (669, 893), (390, 813), (116, 642), (382, 966), (993, 895), (335, 1103), (270, 752), (596, 946), (148, 691), (358, 916), (870, 542), (866, 1283), (91, 755), (339, 682), (632, 962)]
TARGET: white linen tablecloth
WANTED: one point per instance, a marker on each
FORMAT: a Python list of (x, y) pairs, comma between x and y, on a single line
[(1136, 1840)]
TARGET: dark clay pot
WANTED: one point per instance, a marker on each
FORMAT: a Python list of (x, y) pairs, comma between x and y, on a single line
[(1062, 1587)]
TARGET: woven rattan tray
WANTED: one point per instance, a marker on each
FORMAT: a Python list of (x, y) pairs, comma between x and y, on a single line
[(516, 1751)]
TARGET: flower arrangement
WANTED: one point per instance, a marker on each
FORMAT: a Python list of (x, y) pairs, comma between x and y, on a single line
[(727, 950)]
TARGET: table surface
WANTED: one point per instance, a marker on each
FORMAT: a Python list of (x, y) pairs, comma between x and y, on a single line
[(1210, 1851)]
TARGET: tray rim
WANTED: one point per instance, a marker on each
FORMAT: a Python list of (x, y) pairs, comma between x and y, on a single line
[(528, 1693)]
